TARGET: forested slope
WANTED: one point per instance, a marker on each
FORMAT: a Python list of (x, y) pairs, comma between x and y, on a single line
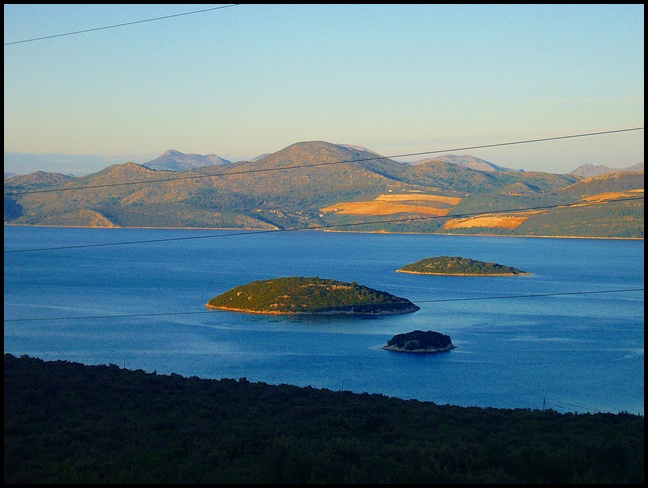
[(69, 423)]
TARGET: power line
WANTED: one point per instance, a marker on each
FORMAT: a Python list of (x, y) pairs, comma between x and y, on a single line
[(329, 163), (121, 316), (528, 296), (119, 25), (322, 227), (576, 405), (418, 301)]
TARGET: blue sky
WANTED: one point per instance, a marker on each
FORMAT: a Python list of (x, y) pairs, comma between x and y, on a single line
[(397, 79)]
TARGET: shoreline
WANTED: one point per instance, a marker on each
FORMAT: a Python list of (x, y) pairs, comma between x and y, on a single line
[(420, 351), (329, 312), (319, 229), (463, 274)]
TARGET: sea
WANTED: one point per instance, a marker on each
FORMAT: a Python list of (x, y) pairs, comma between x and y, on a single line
[(567, 337)]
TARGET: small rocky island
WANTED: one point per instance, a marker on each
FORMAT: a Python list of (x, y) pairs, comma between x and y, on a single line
[(455, 265), (420, 341), (299, 295)]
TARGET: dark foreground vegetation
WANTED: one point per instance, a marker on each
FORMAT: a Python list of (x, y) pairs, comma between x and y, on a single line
[(66, 422)]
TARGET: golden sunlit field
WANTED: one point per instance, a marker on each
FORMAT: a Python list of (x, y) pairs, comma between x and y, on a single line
[(393, 204)]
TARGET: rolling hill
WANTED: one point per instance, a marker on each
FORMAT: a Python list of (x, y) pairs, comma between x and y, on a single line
[(317, 184)]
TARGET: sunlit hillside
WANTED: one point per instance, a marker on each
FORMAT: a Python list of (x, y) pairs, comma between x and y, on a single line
[(334, 187)]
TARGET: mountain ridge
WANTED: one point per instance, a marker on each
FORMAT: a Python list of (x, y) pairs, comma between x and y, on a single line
[(175, 160), (467, 161), (587, 170), (316, 184)]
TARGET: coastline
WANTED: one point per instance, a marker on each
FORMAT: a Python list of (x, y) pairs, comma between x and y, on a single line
[(463, 274), (328, 312), (320, 229), (420, 351)]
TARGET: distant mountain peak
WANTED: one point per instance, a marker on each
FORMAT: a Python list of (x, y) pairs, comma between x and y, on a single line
[(319, 151), (174, 160), (587, 170), (470, 162)]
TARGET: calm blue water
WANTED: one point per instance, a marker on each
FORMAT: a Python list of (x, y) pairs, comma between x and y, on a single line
[(579, 352)]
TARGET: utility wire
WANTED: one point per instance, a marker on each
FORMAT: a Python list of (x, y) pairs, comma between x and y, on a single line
[(329, 163), (286, 168), (118, 25), (577, 405), (322, 227), (128, 315), (528, 296), (418, 301)]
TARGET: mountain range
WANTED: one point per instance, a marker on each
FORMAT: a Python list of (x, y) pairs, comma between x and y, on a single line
[(587, 170), (317, 184), (173, 160)]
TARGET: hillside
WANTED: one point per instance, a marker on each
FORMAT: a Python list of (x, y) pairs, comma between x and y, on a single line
[(298, 295), (321, 185), (37, 181), (67, 423), (467, 161)]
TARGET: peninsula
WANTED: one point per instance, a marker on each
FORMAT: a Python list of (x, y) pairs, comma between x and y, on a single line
[(299, 295), (455, 265), (420, 341)]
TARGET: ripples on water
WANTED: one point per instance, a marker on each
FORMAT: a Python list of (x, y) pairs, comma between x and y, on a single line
[(576, 352)]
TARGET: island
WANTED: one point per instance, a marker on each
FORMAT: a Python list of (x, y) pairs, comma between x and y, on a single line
[(455, 265), (420, 342), (300, 295)]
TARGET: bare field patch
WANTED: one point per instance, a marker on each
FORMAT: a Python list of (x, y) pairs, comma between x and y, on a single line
[(383, 208), (419, 198), (492, 221), (612, 195), (393, 204)]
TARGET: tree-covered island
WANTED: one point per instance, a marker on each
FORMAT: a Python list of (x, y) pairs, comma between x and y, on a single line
[(455, 265), (420, 341), (299, 295)]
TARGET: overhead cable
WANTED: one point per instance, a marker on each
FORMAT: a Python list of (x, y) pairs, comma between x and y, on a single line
[(118, 25), (323, 227), (131, 315), (329, 163)]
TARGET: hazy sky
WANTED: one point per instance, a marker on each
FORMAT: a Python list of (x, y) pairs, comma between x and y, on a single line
[(397, 79)]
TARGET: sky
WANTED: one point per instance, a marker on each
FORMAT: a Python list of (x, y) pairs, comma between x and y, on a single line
[(244, 80)]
